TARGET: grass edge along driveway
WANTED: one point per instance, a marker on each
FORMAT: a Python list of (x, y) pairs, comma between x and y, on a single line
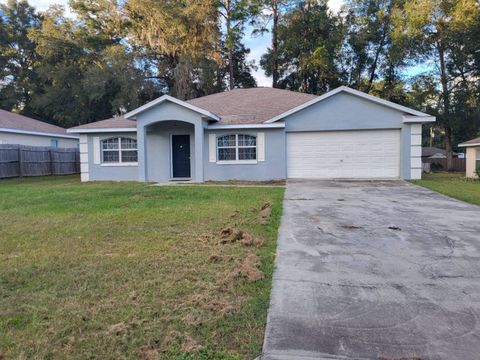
[(128, 270), (455, 185)]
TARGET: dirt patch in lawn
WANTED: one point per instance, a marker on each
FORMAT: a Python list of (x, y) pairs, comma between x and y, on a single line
[(233, 235), (265, 213), (248, 268)]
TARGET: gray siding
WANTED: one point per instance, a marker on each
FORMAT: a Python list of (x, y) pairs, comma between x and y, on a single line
[(159, 148), (344, 112), (99, 172), (273, 168), (35, 140), (167, 112), (349, 112)]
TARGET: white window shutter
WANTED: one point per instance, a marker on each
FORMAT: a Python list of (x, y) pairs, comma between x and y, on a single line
[(212, 149), (96, 150), (261, 146)]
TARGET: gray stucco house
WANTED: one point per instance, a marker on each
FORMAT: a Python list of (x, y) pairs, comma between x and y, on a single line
[(256, 134), (22, 130)]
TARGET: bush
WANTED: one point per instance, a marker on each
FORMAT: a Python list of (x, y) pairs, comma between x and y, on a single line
[(478, 172)]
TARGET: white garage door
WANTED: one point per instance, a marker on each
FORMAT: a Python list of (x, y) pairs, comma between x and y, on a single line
[(363, 154)]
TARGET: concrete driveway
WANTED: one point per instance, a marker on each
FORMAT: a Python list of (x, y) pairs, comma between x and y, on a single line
[(369, 270)]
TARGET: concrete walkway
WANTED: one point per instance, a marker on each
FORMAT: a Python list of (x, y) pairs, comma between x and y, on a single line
[(370, 270)]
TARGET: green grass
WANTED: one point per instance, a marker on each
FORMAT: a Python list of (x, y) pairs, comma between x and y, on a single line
[(452, 184), (131, 271)]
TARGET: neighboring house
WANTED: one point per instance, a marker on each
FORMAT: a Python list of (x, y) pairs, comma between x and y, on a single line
[(19, 129), (473, 156), (256, 134), (429, 152)]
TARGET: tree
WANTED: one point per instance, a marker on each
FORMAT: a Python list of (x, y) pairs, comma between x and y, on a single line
[(370, 52), (271, 11), (86, 75), (235, 14), (443, 30), (242, 68), (176, 38), (18, 77), (309, 41)]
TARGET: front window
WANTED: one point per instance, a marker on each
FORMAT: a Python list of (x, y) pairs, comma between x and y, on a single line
[(477, 160), (119, 150), (237, 147)]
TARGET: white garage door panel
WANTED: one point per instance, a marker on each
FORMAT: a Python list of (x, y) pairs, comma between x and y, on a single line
[(344, 154)]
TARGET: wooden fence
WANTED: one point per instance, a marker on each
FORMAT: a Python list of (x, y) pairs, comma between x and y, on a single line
[(21, 160), (458, 164)]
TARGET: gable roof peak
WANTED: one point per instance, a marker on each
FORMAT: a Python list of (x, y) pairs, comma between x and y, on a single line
[(358, 93), (174, 100)]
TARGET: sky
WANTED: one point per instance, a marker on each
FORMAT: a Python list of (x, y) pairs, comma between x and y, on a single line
[(258, 45)]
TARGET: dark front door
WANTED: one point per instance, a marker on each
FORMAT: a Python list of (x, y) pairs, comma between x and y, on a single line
[(181, 156)]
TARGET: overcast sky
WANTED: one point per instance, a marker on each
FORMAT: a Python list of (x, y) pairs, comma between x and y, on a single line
[(258, 45)]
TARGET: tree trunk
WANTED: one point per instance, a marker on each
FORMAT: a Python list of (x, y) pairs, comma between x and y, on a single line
[(230, 68), (446, 106), (448, 148), (373, 69), (228, 25), (275, 75)]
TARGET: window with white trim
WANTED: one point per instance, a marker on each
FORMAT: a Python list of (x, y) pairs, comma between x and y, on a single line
[(477, 159), (237, 147), (119, 150)]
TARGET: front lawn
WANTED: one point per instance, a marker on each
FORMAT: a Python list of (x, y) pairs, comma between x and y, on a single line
[(133, 271), (452, 184)]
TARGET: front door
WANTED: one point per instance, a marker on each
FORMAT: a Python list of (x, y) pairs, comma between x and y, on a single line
[(180, 156)]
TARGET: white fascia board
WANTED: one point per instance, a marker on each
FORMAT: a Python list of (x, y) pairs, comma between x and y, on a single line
[(352, 92), (246, 126), (418, 119), (164, 98), (468, 145), (38, 133), (104, 130)]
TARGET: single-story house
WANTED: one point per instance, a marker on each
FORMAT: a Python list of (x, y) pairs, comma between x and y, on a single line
[(256, 134), (22, 130), (473, 156), (429, 152)]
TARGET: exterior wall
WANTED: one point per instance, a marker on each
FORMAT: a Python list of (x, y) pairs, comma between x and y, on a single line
[(84, 160), (272, 168), (90, 171), (35, 140), (413, 152), (349, 112), (344, 112), (167, 112), (471, 161), (157, 124), (159, 166)]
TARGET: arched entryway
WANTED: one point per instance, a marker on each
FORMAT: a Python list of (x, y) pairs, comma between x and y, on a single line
[(170, 149)]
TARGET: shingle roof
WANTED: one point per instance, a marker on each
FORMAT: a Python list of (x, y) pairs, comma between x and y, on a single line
[(473, 142), (239, 106), (428, 151), (9, 120), (113, 123), (251, 106)]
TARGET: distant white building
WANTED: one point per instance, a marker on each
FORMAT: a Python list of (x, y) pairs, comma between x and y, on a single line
[(22, 130)]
